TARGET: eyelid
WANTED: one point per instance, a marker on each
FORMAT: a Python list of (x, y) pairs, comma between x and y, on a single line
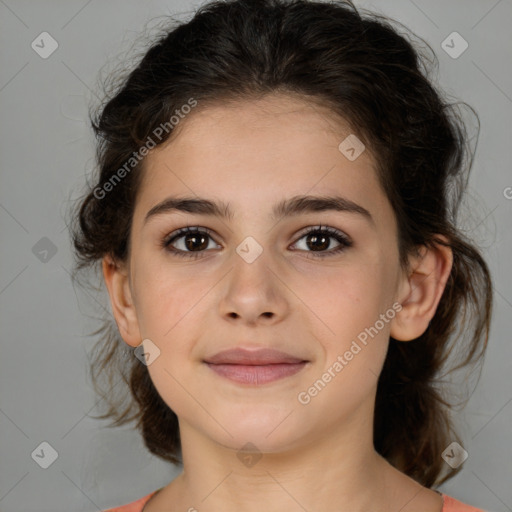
[(186, 230), (324, 229)]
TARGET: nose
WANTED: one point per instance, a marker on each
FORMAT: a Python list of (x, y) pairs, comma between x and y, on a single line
[(253, 293)]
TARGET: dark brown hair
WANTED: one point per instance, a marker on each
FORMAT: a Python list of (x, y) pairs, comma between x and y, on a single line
[(380, 83)]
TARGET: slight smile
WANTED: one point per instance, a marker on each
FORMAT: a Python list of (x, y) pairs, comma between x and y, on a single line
[(255, 367)]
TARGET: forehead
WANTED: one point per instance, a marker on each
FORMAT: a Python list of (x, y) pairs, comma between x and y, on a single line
[(256, 152), (225, 123)]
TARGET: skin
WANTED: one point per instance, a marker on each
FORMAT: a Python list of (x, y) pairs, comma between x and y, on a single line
[(318, 456)]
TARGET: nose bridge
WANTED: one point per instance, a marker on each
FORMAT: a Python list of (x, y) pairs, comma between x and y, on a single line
[(253, 289), (252, 265), (254, 247)]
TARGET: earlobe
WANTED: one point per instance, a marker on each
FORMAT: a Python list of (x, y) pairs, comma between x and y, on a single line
[(123, 308), (421, 291)]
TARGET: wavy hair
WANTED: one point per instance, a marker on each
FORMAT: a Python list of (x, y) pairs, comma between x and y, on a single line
[(377, 80)]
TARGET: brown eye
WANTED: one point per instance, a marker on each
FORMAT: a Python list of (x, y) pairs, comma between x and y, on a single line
[(318, 240), (191, 242)]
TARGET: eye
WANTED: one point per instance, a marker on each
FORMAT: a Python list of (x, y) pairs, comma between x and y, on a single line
[(195, 240), (319, 237)]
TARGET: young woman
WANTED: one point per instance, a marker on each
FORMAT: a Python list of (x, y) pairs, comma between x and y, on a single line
[(274, 215)]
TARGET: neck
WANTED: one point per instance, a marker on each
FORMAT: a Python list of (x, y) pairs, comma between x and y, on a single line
[(311, 476)]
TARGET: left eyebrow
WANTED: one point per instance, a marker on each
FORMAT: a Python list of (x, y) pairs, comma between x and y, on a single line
[(286, 208)]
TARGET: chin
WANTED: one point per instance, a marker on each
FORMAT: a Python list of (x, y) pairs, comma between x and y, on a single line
[(255, 441), (265, 429)]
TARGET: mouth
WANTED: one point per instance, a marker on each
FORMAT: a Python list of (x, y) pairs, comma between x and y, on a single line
[(255, 367)]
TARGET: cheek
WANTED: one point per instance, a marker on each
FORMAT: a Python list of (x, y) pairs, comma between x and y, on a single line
[(347, 300), (166, 299), (356, 340), (168, 309), (353, 335)]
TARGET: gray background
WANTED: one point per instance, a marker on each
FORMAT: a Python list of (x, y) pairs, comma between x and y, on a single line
[(46, 150)]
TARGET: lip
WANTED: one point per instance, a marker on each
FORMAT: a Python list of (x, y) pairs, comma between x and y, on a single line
[(262, 356), (255, 367)]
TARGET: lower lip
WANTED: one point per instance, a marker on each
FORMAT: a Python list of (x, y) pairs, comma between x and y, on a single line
[(254, 374)]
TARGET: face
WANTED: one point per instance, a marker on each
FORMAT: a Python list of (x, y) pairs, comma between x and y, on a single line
[(262, 279)]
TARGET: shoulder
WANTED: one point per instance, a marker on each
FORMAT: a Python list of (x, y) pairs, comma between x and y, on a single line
[(135, 506), (454, 505)]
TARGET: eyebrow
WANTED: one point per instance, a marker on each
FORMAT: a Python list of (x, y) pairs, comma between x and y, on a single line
[(293, 206)]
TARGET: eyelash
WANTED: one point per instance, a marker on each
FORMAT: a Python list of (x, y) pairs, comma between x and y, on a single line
[(340, 237)]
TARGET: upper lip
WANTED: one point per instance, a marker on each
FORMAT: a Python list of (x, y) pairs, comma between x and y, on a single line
[(253, 357)]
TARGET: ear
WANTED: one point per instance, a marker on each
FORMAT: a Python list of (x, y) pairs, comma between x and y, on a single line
[(421, 290), (118, 286)]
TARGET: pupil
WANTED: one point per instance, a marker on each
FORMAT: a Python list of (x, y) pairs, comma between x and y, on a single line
[(190, 240), (316, 238)]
